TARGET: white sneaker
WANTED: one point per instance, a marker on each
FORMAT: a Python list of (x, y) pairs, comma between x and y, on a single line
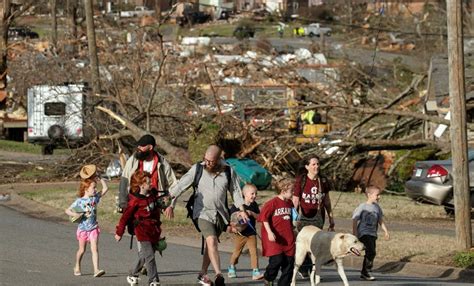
[(155, 283), (132, 280)]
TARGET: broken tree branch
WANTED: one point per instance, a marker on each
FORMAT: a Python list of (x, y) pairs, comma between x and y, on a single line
[(174, 154)]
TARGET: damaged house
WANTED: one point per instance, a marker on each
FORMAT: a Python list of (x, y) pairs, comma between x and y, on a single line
[(437, 98)]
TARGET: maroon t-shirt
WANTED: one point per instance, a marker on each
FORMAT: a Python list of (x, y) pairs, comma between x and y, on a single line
[(312, 197), (277, 213)]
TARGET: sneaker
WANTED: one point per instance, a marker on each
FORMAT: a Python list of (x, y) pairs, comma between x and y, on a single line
[(203, 279), (367, 277), (219, 280), (231, 272), (256, 275), (132, 280), (154, 283)]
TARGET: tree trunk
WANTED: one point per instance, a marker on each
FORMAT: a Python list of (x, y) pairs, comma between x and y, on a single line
[(158, 10), (71, 7), (173, 154), (91, 42), (5, 13), (54, 25)]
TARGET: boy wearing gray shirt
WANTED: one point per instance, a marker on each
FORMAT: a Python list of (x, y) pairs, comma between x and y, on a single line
[(365, 221)]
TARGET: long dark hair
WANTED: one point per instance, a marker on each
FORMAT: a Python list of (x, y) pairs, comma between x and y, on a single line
[(302, 167)]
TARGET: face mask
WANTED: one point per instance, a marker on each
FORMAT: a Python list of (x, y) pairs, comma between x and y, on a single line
[(142, 155)]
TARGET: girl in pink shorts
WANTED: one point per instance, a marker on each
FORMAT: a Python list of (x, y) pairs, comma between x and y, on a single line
[(84, 211)]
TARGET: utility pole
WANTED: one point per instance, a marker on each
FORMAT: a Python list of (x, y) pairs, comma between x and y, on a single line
[(91, 43), (54, 25), (458, 134)]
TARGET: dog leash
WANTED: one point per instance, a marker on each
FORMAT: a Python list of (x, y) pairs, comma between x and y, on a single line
[(251, 226)]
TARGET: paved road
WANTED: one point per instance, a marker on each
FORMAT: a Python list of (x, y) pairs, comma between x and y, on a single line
[(365, 57), (38, 252)]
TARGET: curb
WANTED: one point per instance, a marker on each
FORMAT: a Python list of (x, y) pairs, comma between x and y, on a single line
[(46, 212)]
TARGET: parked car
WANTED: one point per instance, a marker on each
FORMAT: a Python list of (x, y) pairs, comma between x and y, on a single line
[(20, 33), (432, 182), (315, 29)]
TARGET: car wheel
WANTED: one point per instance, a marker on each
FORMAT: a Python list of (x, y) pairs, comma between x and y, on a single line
[(47, 149)]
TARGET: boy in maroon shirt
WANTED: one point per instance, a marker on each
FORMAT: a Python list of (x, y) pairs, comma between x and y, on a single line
[(278, 239)]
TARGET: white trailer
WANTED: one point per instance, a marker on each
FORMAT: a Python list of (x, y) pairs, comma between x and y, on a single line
[(56, 115)]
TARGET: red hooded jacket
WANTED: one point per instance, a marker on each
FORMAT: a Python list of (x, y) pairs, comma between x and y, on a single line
[(146, 214)]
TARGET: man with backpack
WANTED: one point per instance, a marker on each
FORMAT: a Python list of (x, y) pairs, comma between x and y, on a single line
[(145, 158), (211, 179)]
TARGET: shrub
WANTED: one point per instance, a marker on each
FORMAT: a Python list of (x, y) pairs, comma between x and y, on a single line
[(405, 168), (464, 259), (245, 29)]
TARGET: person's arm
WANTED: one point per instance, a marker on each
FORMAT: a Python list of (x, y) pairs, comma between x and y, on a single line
[(177, 190), (328, 207), (296, 202), (120, 228), (124, 183), (354, 227), (169, 173), (271, 235), (297, 192), (237, 195), (72, 213), (105, 188), (183, 184), (385, 230)]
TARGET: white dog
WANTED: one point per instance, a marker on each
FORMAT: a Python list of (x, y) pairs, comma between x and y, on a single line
[(323, 247)]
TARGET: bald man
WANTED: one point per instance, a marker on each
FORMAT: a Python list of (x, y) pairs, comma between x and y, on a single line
[(210, 207)]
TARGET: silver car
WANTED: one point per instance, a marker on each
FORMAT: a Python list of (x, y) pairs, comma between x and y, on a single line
[(432, 182)]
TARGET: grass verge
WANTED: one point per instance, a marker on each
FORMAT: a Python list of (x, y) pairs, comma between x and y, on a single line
[(13, 146)]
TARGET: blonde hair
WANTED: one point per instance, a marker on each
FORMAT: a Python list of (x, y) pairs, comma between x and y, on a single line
[(248, 186), (284, 184)]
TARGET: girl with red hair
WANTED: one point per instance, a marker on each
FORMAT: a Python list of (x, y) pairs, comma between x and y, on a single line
[(84, 211)]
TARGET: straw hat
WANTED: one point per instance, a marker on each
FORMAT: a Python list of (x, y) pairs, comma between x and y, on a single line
[(88, 171)]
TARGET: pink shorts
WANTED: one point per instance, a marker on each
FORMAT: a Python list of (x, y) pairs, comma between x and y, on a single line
[(88, 235)]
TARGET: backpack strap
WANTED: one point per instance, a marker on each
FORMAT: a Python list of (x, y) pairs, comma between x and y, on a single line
[(197, 175)]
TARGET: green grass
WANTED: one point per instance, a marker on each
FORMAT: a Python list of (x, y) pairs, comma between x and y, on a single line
[(61, 198), (23, 147), (14, 146), (33, 173)]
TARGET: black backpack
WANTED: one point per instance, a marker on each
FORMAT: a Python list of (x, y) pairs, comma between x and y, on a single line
[(192, 198)]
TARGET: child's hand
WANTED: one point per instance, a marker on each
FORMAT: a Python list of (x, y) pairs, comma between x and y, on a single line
[(387, 236), (118, 237), (271, 237)]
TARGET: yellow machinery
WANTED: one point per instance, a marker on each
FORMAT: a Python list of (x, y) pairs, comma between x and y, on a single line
[(307, 133), (312, 133)]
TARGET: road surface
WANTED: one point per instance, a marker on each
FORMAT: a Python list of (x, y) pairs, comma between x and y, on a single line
[(39, 252)]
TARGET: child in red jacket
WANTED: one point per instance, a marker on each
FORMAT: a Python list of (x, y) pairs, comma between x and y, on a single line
[(143, 207), (278, 239)]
